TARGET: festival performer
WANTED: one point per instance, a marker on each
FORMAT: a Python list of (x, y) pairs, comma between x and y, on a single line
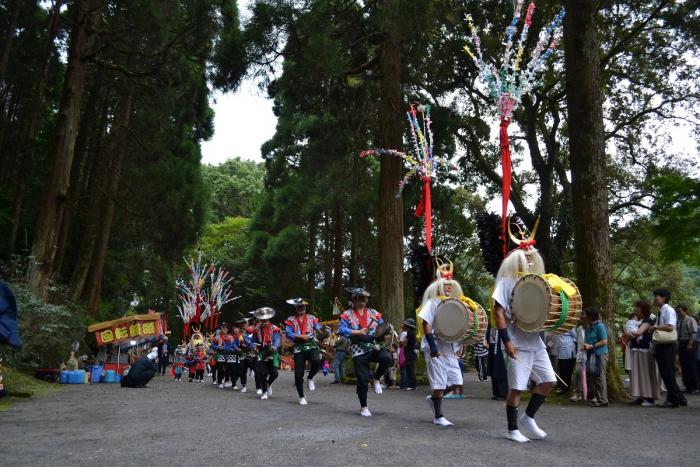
[(300, 330), (363, 325), (239, 367), (221, 345), (201, 356), (444, 372), (266, 338), (249, 356), (526, 350)]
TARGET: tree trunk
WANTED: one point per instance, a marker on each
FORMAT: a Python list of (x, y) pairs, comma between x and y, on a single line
[(80, 169), (9, 38), (338, 248), (354, 249), (91, 191), (327, 256), (391, 207), (588, 167), (58, 178), (118, 145), (311, 265)]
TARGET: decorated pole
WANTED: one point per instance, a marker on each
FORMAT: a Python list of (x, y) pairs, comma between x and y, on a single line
[(421, 164), (509, 84)]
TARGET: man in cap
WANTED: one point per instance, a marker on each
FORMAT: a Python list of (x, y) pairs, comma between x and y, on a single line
[(266, 338), (300, 330), (362, 325)]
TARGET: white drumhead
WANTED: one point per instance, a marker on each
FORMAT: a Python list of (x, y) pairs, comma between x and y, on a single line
[(451, 320), (530, 302)]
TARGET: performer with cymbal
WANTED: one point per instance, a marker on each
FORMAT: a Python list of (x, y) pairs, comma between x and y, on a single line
[(363, 325), (266, 338), (526, 351), (300, 330)]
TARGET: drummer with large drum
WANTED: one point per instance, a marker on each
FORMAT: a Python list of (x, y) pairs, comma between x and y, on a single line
[(448, 319), (521, 310)]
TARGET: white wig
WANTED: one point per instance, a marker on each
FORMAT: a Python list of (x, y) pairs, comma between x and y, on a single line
[(518, 261), (437, 288)]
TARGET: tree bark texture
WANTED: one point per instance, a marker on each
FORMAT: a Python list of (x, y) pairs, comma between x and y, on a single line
[(55, 192), (118, 146), (27, 147), (390, 207), (588, 166), (338, 248), (9, 38)]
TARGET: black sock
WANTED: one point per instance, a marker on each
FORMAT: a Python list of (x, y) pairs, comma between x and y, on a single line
[(535, 403), (512, 414), (437, 404)]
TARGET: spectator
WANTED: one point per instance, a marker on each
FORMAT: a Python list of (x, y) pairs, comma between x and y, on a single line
[(581, 360), (665, 352), (141, 372), (9, 330), (341, 351), (481, 353), (497, 365), (566, 359), (687, 329), (163, 355), (551, 340), (597, 347), (644, 380), (631, 326), (697, 349), (408, 342)]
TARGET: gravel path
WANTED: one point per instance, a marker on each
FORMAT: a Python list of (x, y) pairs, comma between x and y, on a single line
[(172, 423)]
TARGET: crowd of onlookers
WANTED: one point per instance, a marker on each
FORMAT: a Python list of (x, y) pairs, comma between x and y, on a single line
[(655, 337)]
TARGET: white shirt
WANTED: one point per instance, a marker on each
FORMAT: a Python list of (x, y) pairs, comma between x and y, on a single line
[(521, 339), (667, 315), (427, 314), (403, 337), (632, 326)]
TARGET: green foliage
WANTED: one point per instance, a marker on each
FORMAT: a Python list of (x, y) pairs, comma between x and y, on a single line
[(226, 243), (676, 216), (47, 331), (235, 188)]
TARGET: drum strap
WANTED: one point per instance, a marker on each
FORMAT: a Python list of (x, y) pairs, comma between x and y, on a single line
[(564, 311)]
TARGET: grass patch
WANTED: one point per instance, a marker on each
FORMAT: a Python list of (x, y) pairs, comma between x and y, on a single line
[(22, 386)]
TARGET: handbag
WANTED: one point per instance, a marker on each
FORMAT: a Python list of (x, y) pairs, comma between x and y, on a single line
[(663, 337)]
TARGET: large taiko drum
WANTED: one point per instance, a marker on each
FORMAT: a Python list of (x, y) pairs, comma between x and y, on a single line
[(455, 321), (536, 305)]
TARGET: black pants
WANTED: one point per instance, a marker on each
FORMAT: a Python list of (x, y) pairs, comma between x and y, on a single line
[(566, 371), (481, 367), (497, 370), (313, 356), (221, 375), (411, 374), (163, 364), (214, 370), (251, 364), (665, 355), (229, 370), (686, 357), (265, 374), (361, 365), (239, 370), (200, 375)]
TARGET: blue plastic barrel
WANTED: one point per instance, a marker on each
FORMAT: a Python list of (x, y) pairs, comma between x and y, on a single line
[(110, 376), (76, 377), (96, 373), (64, 377)]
